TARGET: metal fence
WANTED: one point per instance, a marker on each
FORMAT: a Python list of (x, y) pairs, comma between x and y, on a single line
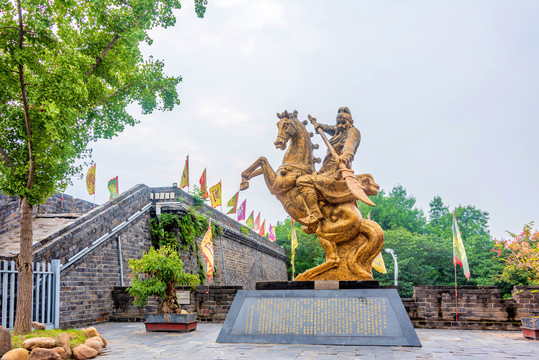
[(45, 294)]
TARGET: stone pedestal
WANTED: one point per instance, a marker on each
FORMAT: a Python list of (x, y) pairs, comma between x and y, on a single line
[(313, 316)]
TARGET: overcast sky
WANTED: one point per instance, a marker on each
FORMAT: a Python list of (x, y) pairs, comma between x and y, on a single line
[(445, 94)]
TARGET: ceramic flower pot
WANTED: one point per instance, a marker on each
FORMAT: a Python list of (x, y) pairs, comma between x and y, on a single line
[(530, 327), (171, 322)]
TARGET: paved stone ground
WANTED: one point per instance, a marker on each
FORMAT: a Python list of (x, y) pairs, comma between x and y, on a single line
[(131, 341)]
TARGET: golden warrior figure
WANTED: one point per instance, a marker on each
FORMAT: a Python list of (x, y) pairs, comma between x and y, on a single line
[(325, 202)]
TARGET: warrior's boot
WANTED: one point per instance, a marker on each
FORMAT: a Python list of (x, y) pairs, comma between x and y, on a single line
[(313, 211)]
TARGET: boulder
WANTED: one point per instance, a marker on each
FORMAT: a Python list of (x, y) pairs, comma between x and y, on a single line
[(41, 342), (38, 326), (91, 332), (5, 340), (62, 352), (44, 354), (83, 352), (95, 343), (16, 354), (63, 341)]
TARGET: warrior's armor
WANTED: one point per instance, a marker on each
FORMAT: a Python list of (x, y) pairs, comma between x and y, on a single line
[(345, 140)]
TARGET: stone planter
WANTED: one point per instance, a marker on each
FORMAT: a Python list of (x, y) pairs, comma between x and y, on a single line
[(530, 328), (171, 322)]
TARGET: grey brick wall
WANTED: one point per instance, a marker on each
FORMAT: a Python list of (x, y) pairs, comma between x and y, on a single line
[(480, 307), (10, 216)]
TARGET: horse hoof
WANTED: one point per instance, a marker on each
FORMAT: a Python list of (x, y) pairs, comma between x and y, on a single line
[(244, 185)]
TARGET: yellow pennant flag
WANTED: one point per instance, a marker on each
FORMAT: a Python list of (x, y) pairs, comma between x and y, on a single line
[(215, 195), (378, 264), (185, 175), (293, 246), (207, 250), (90, 180)]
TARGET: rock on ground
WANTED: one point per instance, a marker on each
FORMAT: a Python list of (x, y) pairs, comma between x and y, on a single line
[(16, 354), (95, 343), (41, 342), (44, 354), (5, 340), (83, 352), (61, 352), (91, 332), (38, 326), (63, 341)]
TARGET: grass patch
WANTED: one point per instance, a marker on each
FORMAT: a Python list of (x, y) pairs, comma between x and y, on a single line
[(77, 336)]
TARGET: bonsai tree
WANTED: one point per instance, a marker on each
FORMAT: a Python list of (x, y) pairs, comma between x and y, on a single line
[(158, 273)]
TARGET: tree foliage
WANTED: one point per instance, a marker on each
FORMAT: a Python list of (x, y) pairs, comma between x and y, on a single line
[(158, 273), (423, 244), (68, 70), (520, 256), (395, 210)]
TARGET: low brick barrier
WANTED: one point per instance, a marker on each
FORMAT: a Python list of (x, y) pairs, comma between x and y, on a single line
[(479, 307), (210, 303)]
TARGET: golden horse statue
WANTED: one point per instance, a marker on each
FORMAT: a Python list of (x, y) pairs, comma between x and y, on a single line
[(350, 242)]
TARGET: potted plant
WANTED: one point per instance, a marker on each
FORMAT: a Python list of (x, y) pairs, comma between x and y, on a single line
[(530, 327), (158, 273)]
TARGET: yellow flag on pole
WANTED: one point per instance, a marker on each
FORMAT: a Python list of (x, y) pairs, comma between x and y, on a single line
[(90, 180), (185, 175), (207, 250), (378, 264), (215, 195), (293, 246)]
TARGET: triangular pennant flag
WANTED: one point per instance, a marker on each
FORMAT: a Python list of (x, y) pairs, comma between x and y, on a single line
[(113, 188), (271, 232), (233, 203), (262, 230), (185, 174), (257, 223), (250, 223), (378, 264), (202, 182), (459, 253), (293, 246), (241, 210)]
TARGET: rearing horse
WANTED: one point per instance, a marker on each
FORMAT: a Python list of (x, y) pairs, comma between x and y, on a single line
[(350, 243), (298, 160)]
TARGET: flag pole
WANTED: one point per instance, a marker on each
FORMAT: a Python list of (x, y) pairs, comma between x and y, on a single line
[(456, 294)]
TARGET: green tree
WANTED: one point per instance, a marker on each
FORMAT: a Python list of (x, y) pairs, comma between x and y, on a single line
[(68, 69), (395, 210)]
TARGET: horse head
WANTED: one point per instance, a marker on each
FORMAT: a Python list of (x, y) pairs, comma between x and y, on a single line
[(288, 128)]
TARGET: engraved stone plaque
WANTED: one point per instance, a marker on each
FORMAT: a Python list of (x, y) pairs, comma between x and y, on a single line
[(338, 317), (184, 297)]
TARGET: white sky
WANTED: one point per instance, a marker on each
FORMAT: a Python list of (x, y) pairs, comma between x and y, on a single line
[(445, 94)]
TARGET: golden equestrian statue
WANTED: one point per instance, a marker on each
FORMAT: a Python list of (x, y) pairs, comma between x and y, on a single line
[(325, 201)]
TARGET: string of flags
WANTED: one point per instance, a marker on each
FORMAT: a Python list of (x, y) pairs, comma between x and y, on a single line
[(233, 206)]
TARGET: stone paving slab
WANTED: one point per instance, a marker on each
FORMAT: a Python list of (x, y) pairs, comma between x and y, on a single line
[(131, 341)]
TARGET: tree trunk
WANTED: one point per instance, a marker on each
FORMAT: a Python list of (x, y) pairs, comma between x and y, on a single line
[(23, 318)]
